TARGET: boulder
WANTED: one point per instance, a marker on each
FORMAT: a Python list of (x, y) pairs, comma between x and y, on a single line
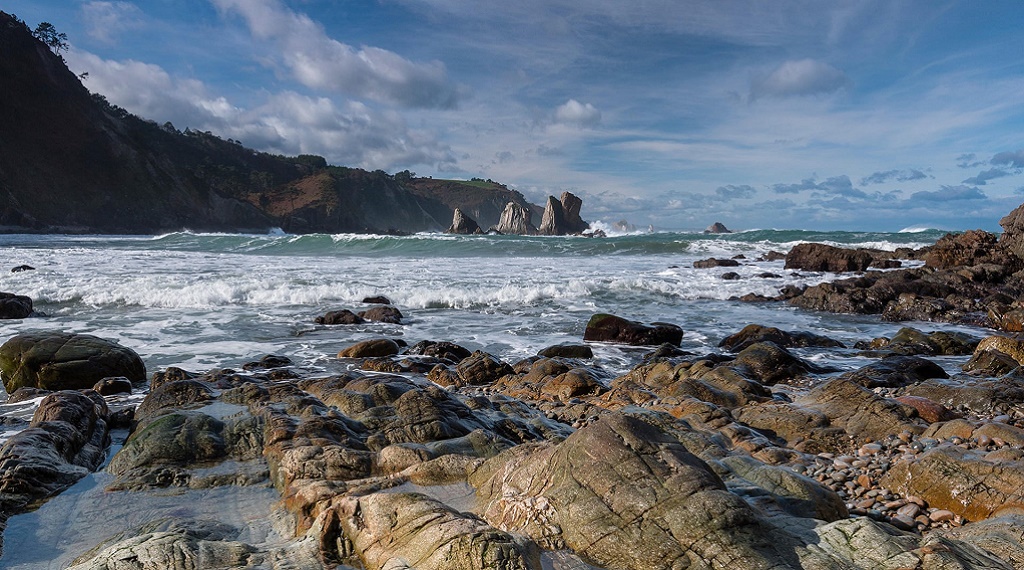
[(895, 371), (911, 342), (370, 348), (515, 220), (463, 224), (481, 369), (58, 361), (717, 228), (20, 268), (610, 328), (752, 334), (342, 317), (440, 349), (111, 386), (15, 306), (571, 207), (382, 314), (713, 262), (567, 351), (769, 364), (377, 300), (821, 257)]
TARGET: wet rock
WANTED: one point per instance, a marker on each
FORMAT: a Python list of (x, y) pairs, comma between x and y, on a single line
[(858, 412), (768, 363), (895, 371), (377, 300), (15, 306), (610, 328), (440, 349), (713, 262), (342, 317), (567, 351), (821, 257), (20, 268), (382, 314), (65, 440), (927, 409), (179, 394), (170, 374), (268, 362), (26, 393), (57, 360), (463, 224), (752, 334), (717, 228), (912, 342), (111, 386), (970, 248), (370, 348), (1014, 348)]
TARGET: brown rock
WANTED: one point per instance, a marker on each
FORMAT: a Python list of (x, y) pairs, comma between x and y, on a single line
[(610, 328), (370, 348), (821, 257)]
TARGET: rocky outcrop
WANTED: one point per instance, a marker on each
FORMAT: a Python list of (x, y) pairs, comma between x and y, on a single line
[(821, 257), (714, 262), (516, 220), (717, 228), (752, 334), (610, 328), (463, 224), (562, 217), (15, 306), (58, 361), (1013, 232)]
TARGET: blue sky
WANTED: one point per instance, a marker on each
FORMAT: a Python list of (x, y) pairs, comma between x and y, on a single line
[(818, 115)]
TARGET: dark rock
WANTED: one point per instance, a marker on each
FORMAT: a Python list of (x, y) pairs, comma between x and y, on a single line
[(56, 360), (572, 205), (757, 333), (370, 348), (567, 351), (717, 228), (772, 256), (111, 386), (383, 314), (973, 247), (610, 328), (731, 276), (440, 349), (769, 364), (171, 374), (895, 371), (713, 262), (268, 362), (15, 306), (910, 341), (463, 224), (1013, 232), (666, 350), (177, 395), (928, 410), (552, 223), (821, 257), (20, 268), (342, 317), (886, 263), (377, 300), (26, 393)]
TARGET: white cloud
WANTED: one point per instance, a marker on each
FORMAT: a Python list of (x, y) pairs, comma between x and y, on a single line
[(351, 134), (799, 77), (572, 112), (105, 20), (320, 62)]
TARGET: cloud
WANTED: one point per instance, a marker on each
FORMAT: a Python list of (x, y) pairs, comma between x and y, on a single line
[(1014, 159), (984, 176), (733, 192), (835, 185), (572, 112), (320, 62), (805, 184), (897, 175), (105, 20), (949, 194), (287, 122), (968, 160), (799, 77)]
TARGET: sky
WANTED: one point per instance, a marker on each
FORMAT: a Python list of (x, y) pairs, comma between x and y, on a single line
[(868, 115)]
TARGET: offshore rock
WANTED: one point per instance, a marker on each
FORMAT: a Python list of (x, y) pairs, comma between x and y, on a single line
[(58, 360), (370, 348), (516, 220), (571, 207), (610, 328), (15, 306), (383, 314), (552, 223), (717, 228), (463, 224), (342, 317), (821, 257)]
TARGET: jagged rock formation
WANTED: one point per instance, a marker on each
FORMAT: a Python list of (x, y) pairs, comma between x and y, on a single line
[(562, 217), (463, 224), (517, 220), (717, 228)]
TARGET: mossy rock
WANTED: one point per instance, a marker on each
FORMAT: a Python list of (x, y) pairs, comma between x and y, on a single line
[(65, 361)]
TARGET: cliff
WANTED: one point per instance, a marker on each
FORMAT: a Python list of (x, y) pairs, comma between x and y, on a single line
[(70, 162)]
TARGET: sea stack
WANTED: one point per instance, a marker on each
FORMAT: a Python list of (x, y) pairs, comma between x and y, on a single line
[(516, 219), (717, 228), (463, 224)]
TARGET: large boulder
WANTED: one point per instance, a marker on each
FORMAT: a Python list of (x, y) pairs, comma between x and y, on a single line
[(65, 361), (15, 306), (821, 257), (752, 334), (610, 328), (463, 224)]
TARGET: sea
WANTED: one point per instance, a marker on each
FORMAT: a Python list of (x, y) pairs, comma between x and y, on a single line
[(203, 301)]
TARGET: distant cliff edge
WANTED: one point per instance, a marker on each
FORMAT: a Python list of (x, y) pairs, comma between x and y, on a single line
[(71, 162)]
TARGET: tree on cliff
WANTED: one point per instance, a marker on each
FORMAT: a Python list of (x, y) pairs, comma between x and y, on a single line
[(46, 33)]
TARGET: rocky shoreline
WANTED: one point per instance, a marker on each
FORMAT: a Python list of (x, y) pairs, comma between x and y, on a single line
[(761, 454)]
